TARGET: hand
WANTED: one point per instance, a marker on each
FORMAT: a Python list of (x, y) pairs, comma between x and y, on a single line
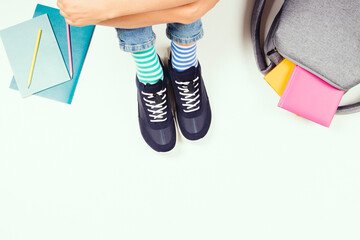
[(83, 12)]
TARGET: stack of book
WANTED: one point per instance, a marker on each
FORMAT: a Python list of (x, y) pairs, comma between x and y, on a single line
[(303, 93), (46, 55)]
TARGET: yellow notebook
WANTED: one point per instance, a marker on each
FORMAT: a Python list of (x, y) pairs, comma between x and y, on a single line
[(280, 75)]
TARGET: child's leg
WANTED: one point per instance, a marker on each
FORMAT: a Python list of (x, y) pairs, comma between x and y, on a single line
[(140, 43), (154, 110), (183, 44), (192, 103)]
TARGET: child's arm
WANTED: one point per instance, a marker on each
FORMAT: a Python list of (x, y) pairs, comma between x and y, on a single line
[(88, 12), (184, 14)]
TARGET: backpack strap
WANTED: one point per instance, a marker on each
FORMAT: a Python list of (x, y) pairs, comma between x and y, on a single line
[(255, 37), (348, 109), (273, 56)]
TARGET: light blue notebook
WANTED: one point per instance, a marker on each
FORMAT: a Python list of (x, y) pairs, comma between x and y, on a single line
[(80, 40), (20, 42)]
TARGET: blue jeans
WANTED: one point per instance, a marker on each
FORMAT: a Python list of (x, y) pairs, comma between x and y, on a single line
[(140, 39)]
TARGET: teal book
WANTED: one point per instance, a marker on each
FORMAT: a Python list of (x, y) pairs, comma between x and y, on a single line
[(80, 40), (33, 51)]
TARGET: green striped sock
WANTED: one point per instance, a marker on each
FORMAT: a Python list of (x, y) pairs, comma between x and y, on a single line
[(148, 68)]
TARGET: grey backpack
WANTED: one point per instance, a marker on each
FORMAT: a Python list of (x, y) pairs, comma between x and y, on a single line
[(321, 36)]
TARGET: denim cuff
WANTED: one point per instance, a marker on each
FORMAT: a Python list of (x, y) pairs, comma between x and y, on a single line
[(182, 40), (138, 47)]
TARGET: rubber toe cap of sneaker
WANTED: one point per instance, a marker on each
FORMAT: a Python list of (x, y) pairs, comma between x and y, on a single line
[(161, 140), (195, 128)]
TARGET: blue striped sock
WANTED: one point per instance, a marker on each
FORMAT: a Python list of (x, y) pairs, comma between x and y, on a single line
[(148, 67), (183, 57)]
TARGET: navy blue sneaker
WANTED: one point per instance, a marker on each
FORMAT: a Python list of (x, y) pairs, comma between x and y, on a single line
[(155, 116), (192, 102)]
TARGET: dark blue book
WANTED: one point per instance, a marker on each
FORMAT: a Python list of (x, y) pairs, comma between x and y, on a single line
[(80, 41)]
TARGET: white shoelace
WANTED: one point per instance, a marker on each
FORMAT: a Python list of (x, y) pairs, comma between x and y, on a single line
[(156, 109), (191, 99)]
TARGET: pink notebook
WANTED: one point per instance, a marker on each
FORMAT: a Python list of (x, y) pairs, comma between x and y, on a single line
[(310, 97)]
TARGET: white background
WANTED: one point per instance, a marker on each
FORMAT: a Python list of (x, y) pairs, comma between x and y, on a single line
[(83, 171)]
